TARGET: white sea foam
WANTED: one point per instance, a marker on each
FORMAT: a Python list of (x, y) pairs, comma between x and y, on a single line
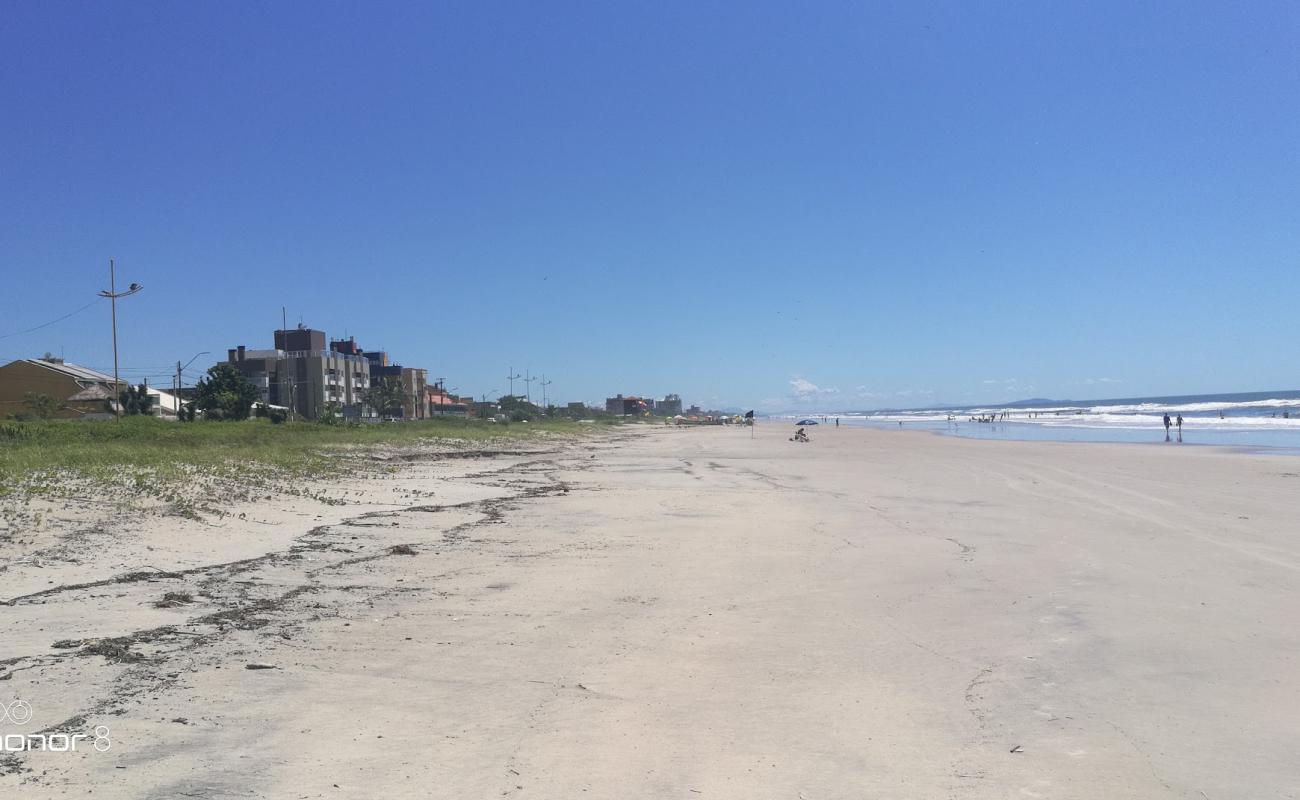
[(1129, 421), (1251, 415), (1193, 408), (1139, 421)]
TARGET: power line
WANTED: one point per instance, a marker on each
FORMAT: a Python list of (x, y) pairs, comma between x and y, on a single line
[(51, 322)]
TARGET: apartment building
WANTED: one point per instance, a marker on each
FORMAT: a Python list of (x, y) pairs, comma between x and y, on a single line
[(414, 382), (300, 373)]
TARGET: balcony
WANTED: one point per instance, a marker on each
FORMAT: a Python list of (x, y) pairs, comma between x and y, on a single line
[(324, 354)]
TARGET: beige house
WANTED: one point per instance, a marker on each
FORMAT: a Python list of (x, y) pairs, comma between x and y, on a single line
[(76, 392)]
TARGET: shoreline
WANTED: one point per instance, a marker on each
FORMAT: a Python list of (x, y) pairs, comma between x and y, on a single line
[(1089, 434)]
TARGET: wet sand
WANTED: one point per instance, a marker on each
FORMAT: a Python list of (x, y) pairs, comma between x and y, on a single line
[(689, 613)]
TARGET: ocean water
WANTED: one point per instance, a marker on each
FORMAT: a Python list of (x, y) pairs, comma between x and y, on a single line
[(1252, 420)]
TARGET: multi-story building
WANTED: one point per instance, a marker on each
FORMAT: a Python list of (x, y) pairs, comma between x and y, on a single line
[(301, 374), (414, 382), (670, 406), (415, 392), (626, 406)]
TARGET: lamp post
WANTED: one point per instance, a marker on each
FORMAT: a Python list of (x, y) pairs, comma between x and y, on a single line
[(485, 397), (179, 384), (112, 294)]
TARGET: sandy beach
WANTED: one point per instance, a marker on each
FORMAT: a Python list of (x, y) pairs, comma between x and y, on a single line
[(680, 613)]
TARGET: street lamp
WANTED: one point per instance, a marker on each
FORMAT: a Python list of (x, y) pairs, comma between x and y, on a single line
[(112, 294), (179, 383), (485, 397)]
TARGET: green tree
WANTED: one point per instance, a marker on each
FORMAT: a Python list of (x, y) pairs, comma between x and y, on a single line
[(135, 401), (517, 408), (332, 414), (386, 397), (41, 406), (225, 394)]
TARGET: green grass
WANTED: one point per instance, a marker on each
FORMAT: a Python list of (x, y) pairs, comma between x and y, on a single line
[(159, 446)]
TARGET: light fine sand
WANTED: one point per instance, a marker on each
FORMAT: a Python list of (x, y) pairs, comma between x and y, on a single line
[(684, 613)]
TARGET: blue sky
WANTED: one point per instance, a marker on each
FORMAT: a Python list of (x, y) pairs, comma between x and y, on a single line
[(826, 205)]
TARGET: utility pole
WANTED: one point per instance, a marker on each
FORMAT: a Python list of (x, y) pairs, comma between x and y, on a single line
[(511, 377), (528, 386), (112, 294), (545, 383)]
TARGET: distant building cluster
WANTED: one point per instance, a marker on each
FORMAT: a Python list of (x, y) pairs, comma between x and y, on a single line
[(311, 379), (634, 406), (304, 374)]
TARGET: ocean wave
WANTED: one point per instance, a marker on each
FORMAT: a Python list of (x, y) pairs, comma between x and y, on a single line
[(1144, 421), (1193, 408), (1127, 421)]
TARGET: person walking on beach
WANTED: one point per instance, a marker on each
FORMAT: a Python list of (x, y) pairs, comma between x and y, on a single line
[(1167, 423), (1180, 423)]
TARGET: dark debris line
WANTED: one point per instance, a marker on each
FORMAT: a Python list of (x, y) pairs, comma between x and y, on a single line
[(143, 674)]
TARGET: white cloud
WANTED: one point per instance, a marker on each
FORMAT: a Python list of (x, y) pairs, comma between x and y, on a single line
[(1091, 381), (805, 389)]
